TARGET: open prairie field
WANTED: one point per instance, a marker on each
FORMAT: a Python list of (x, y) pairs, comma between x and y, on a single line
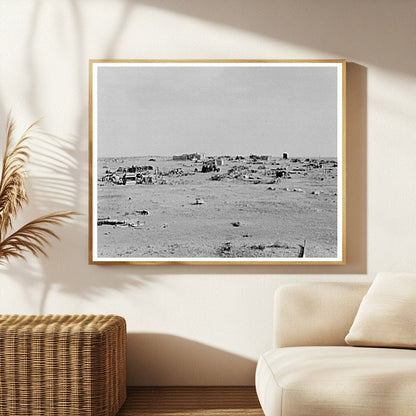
[(244, 208)]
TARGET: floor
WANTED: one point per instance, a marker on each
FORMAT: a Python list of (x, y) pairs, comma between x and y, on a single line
[(195, 401)]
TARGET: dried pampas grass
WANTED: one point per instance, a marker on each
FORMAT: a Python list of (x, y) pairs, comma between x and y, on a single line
[(34, 236)]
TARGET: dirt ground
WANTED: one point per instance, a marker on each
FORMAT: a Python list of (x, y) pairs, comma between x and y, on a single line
[(245, 213)]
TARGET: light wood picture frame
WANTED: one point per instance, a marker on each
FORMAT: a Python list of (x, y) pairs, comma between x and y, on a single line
[(217, 162)]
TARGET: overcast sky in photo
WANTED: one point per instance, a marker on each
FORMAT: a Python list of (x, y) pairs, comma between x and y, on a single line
[(216, 110)]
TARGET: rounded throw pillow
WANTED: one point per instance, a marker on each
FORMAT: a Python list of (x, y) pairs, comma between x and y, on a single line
[(387, 314)]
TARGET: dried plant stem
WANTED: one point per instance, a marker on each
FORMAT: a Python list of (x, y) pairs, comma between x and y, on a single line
[(34, 236)]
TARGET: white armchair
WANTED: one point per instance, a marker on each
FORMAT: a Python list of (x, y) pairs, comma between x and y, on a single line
[(311, 371)]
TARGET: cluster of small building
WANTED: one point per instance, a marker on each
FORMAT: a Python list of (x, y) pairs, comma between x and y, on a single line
[(246, 169), (138, 174), (190, 156)]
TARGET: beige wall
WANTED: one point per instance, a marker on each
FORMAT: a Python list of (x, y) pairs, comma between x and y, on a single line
[(204, 325)]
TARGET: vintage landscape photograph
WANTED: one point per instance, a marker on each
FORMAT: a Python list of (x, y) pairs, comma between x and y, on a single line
[(221, 162)]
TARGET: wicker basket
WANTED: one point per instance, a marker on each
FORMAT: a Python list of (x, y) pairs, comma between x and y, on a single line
[(52, 365)]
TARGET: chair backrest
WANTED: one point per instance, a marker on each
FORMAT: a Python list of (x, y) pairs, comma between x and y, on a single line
[(309, 314)]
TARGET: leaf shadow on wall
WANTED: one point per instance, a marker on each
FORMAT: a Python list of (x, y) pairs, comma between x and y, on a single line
[(59, 181), (370, 34), (53, 186), (164, 359)]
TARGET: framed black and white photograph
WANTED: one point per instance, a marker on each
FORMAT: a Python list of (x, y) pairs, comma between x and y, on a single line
[(217, 162)]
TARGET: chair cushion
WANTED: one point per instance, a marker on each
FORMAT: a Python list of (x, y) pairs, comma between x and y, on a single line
[(315, 314), (342, 381), (387, 314)]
